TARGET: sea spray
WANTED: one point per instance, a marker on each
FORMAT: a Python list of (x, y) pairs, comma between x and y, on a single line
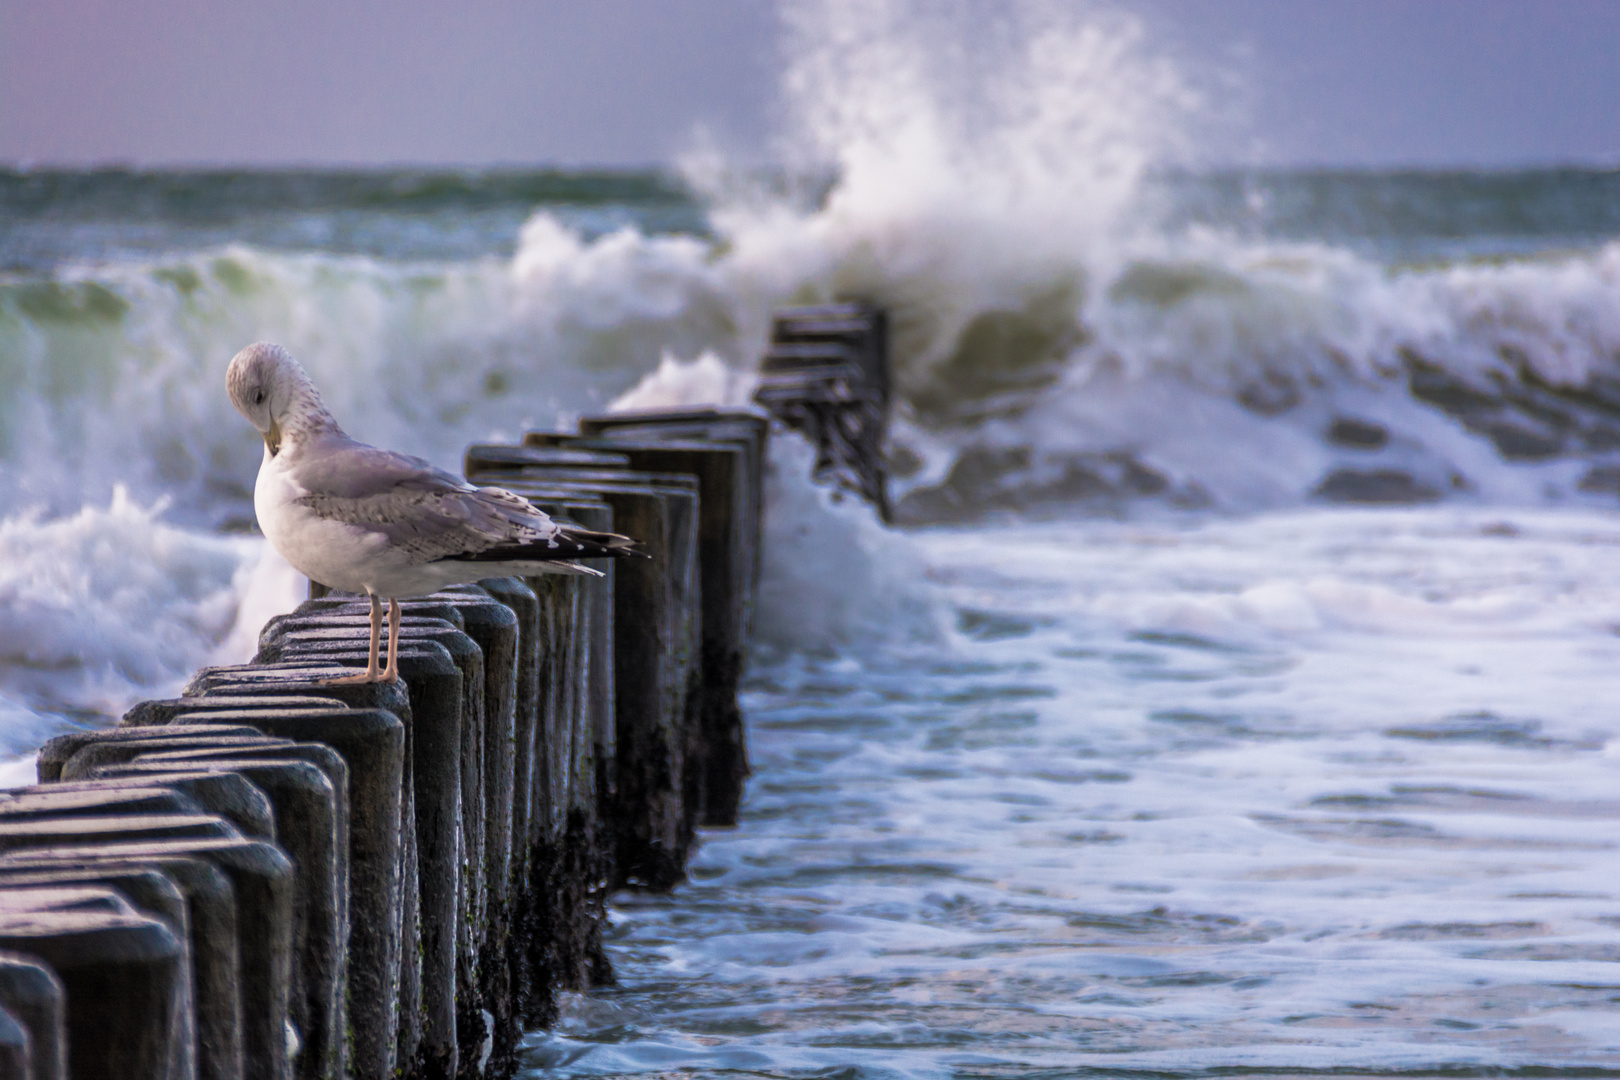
[(835, 581), (104, 605), (1490, 380), (706, 382), (991, 191), (975, 197), (833, 576)]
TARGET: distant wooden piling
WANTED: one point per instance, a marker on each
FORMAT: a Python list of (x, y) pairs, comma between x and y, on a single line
[(270, 878), (826, 375)]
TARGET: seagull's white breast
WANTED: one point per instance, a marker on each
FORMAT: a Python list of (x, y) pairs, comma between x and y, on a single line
[(331, 552)]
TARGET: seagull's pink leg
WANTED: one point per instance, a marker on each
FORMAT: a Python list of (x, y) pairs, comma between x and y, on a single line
[(391, 673), (371, 674)]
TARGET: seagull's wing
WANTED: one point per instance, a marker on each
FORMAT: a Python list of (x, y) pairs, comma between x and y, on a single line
[(429, 515)]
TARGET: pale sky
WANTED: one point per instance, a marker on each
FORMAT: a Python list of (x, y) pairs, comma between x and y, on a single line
[(629, 82)]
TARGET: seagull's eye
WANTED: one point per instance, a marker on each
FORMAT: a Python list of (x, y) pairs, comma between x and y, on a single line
[(258, 399)]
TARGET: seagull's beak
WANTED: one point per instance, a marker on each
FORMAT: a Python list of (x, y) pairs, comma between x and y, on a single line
[(272, 438)]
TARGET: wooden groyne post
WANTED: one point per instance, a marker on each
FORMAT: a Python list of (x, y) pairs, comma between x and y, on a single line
[(270, 878)]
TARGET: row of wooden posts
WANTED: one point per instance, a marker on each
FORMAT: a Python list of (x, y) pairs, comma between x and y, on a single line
[(269, 878)]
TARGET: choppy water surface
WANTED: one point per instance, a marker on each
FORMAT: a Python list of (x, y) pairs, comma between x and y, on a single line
[(1310, 791)]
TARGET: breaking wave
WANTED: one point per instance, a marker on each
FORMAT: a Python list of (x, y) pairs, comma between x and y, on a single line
[(1083, 321)]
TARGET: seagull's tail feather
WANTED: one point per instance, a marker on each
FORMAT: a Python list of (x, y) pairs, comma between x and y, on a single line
[(533, 567), (601, 544), (562, 548)]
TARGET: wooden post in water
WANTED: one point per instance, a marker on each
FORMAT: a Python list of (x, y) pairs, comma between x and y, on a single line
[(826, 375)]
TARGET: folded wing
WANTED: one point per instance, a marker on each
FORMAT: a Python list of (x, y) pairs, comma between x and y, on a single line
[(429, 515)]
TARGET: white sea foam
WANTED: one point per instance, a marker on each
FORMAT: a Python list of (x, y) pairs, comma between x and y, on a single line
[(107, 605), (1217, 362), (705, 382), (834, 580), (833, 576), (1320, 789)]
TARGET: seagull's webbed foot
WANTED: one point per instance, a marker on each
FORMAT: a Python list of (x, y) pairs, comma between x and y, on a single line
[(354, 680)]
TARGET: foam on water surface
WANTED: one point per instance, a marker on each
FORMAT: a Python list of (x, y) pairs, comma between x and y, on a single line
[(101, 606), (1319, 790)]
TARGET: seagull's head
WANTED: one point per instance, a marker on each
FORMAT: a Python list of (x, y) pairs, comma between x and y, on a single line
[(264, 382)]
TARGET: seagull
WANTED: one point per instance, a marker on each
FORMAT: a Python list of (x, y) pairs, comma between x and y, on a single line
[(366, 520)]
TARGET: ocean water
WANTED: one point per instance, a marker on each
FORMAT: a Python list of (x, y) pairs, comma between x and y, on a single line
[(1234, 694)]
